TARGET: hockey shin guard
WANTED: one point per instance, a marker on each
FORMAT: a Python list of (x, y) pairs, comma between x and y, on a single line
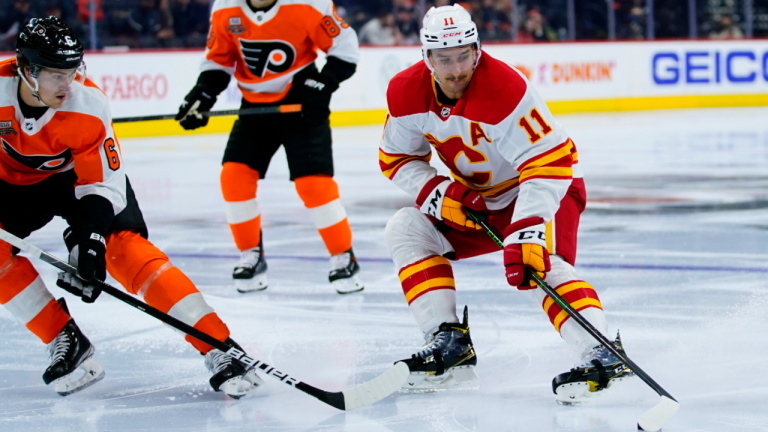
[(25, 296), (320, 195), (144, 270), (238, 185)]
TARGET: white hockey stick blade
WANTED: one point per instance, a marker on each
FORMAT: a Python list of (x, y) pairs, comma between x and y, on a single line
[(655, 418), (377, 388), (21, 244)]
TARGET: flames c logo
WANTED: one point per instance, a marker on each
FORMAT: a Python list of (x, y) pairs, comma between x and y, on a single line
[(262, 56)]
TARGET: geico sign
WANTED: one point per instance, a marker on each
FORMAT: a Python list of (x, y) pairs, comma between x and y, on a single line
[(126, 87), (704, 67)]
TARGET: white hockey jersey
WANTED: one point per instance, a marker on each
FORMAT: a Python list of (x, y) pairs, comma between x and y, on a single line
[(500, 139)]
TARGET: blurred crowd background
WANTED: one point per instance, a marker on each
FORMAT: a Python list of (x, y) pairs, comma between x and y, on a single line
[(184, 23)]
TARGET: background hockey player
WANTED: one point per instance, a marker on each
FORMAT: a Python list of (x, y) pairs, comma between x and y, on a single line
[(60, 157), (270, 47), (509, 159)]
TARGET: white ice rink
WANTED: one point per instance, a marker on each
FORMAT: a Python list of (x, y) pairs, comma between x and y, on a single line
[(674, 240)]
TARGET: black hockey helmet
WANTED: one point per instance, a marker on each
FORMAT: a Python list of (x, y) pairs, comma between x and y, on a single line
[(48, 42)]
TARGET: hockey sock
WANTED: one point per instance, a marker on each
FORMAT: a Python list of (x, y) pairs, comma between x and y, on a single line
[(320, 194), (581, 296), (146, 271), (238, 185), (25, 296), (430, 291)]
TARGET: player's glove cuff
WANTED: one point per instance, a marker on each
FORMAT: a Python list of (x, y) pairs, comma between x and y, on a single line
[(528, 230), (430, 199)]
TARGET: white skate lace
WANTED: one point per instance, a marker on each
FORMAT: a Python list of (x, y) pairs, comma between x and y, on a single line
[(58, 348), (217, 360), (440, 342), (249, 258), (340, 261)]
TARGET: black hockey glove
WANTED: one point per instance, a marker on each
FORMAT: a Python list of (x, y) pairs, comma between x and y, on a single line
[(87, 251), (318, 89), (198, 101)]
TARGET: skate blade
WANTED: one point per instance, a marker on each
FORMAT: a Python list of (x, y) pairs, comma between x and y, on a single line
[(93, 373), (575, 394), (349, 285), (257, 283), (457, 378), (238, 387)]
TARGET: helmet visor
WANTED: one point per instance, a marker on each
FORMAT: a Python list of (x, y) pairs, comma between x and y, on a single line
[(60, 80), (453, 60)]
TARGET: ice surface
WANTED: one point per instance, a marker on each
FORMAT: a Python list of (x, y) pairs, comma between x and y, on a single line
[(674, 240)]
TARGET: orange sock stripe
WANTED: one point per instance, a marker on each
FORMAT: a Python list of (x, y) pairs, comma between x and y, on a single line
[(212, 325), (579, 294), (247, 234), (426, 275), (19, 276), (316, 190), (337, 238), (579, 305), (168, 289), (238, 182), (49, 322)]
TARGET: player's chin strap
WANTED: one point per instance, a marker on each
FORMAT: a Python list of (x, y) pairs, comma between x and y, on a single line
[(36, 88)]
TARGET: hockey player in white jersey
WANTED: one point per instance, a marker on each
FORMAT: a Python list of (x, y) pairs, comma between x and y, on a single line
[(508, 158)]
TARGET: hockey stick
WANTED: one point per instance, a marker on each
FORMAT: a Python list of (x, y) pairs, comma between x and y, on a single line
[(653, 419), (279, 109), (349, 399)]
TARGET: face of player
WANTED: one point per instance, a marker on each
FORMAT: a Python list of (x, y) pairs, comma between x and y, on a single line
[(260, 4), (453, 68), (54, 85)]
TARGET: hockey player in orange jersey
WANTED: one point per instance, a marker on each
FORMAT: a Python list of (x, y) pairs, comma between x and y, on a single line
[(270, 47), (60, 157), (508, 158)]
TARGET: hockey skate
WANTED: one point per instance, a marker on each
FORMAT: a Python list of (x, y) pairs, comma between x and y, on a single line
[(70, 351), (446, 361), (343, 275), (250, 273), (600, 371), (230, 376)]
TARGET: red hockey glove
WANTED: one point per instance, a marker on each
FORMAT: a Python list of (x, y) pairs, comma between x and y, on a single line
[(525, 244), (444, 200)]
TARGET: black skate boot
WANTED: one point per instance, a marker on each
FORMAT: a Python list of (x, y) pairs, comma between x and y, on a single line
[(600, 371), (250, 273), (446, 361), (69, 351), (230, 376), (343, 275)]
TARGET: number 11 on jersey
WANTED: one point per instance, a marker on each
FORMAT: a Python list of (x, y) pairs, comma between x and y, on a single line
[(534, 136)]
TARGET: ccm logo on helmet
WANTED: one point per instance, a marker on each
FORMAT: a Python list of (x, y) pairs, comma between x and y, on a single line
[(452, 34)]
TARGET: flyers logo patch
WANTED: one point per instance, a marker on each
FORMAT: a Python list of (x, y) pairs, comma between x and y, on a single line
[(39, 162), (262, 56)]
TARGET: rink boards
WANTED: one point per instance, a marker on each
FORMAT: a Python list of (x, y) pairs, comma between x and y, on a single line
[(572, 77)]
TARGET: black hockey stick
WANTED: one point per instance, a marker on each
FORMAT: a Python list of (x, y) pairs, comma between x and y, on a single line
[(349, 399), (653, 419), (279, 109)]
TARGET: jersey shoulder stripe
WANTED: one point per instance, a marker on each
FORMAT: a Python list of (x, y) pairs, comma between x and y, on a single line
[(410, 91), (494, 92)]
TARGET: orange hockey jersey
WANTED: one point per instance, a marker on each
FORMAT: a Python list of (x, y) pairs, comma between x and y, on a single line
[(264, 50), (76, 136)]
